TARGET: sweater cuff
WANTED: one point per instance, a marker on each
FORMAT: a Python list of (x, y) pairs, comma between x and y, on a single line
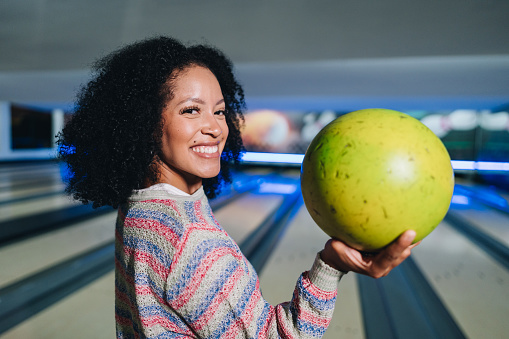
[(323, 276)]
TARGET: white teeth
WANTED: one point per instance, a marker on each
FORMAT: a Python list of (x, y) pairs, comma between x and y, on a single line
[(205, 149)]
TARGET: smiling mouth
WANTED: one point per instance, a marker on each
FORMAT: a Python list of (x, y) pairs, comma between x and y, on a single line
[(205, 149)]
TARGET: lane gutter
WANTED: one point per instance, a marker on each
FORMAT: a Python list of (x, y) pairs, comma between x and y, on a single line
[(404, 305), (496, 249), (258, 246)]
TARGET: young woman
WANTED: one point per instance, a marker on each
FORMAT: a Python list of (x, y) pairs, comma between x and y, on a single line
[(153, 135)]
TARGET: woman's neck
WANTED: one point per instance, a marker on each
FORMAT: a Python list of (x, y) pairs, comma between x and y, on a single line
[(183, 181)]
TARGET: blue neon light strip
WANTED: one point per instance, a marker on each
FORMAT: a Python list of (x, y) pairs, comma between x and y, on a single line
[(279, 158), (286, 158), (480, 165)]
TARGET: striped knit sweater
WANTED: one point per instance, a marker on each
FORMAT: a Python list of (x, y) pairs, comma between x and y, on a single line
[(179, 275)]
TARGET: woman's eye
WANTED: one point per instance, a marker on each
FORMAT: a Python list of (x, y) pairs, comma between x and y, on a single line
[(221, 112), (190, 110)]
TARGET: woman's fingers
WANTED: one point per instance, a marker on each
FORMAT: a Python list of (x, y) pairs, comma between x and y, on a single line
[(417, 243), (342, 257), (395, 253)]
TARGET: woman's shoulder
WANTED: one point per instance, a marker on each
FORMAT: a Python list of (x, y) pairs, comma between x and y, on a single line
[(164, 213), (154, 215)]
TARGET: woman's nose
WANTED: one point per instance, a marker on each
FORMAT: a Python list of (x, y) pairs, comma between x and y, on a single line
[(212, 127)]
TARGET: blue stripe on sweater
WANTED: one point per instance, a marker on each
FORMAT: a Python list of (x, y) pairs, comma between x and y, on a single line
[(167, 220), (127, 315), (238, 309), (310, 329), (152, 311), (141, 279), (149, 310), (190, 211), (247, 294), (262, 319), (157, 310), (320, 304), (212, 291), (149, 247), (207, 212), (200, 252), (169, 335)]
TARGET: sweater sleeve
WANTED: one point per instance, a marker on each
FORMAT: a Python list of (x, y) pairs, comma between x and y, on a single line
[(216, 290), (309, 312)]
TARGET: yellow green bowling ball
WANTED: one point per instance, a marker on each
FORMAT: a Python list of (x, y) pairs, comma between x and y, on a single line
[(371, 174)]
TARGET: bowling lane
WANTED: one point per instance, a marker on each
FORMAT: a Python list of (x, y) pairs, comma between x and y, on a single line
[(88, 313), (23, 258), (26, 166), (6, 196), (34, 206), (295, 254), (23, 181), (479, 204), (30, 189), (472, 285), (489, 220), (29, 175), (9, 173), (240, 218)]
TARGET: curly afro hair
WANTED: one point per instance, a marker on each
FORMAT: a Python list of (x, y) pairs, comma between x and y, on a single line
[(112, 142)]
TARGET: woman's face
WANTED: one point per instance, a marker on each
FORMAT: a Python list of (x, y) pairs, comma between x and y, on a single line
[(194, 131)]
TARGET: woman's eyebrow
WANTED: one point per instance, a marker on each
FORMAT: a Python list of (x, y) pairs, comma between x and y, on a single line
[(198, 101)]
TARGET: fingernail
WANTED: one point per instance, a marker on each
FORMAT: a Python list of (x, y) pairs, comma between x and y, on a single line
[(411, 234)]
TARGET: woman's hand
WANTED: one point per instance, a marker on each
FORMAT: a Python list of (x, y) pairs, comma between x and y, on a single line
[(344, 258)]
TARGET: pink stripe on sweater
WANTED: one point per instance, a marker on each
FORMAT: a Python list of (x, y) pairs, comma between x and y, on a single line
[(281, 314), (205, 264), (144, 290), (184, 241), (126, 323), (219, 299), (312, 319), (317, 292), (165, 202), (154, 226), (120, 268), (269, 323), (140, 290), (244, 321), (158, 320), (146, 258)]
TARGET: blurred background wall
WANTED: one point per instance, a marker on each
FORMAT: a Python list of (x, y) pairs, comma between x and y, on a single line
[(302, 63)]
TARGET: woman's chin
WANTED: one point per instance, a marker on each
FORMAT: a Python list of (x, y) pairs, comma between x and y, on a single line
[(209, 173)]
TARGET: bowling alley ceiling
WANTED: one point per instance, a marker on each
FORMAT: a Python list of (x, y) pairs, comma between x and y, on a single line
[(293, 54)]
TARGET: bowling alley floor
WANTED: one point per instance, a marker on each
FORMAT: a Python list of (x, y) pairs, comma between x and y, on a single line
[(456, 284)]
